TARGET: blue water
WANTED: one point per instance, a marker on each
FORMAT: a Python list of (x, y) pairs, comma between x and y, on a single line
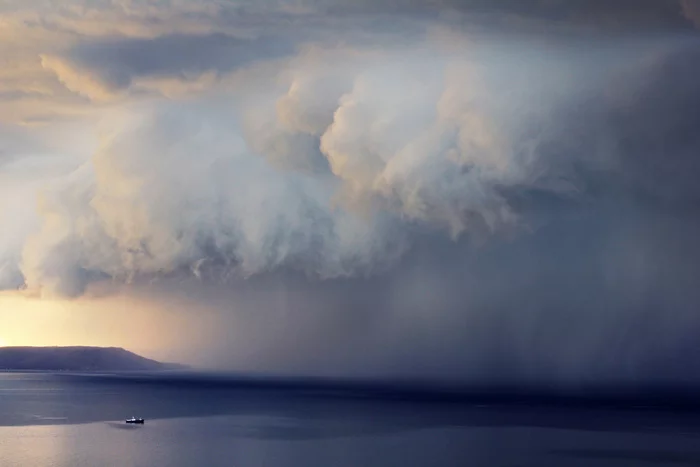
[(53, 420)]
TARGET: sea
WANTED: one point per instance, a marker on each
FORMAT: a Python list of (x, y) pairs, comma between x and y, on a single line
[(61, 420)]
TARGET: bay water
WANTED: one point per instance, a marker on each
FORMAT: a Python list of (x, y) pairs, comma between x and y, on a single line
[(60, 421)]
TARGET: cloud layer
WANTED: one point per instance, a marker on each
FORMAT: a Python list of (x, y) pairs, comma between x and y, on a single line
[(499, 165), (325, 177)]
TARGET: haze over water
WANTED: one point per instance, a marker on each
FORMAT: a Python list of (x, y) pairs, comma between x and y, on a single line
[(61, 421)]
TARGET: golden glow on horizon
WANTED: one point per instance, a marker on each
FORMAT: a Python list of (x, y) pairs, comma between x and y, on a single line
[(146, 328)]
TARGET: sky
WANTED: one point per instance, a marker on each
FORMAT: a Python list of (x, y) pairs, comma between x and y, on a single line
[(466, 190)]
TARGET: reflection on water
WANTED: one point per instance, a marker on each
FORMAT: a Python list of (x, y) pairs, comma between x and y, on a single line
[(58, 422)]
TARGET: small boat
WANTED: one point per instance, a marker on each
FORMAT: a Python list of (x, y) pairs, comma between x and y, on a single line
[(134, 420)]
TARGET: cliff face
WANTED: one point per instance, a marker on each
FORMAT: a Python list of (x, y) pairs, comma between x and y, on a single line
[(76, 359)]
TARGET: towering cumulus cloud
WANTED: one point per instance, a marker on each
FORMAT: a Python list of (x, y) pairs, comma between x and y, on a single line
[(328, 179), (521, 172)]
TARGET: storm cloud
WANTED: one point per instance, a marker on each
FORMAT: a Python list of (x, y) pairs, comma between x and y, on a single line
[(486, 188), (101, 70)]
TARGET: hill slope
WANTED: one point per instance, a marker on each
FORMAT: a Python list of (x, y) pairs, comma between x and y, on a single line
[(76, 359)]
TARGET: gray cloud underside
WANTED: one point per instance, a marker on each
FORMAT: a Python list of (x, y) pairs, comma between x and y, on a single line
[(105, 69), (104, 50)]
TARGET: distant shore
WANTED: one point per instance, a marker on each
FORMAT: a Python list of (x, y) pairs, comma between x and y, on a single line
[(79, 358)]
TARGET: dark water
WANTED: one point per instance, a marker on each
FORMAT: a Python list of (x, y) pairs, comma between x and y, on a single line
[(53, 420)]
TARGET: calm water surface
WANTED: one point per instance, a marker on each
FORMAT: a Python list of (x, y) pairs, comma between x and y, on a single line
[(50, 420)]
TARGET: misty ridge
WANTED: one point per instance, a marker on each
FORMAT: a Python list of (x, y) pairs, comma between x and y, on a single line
[(77, 359), (509, 194)]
